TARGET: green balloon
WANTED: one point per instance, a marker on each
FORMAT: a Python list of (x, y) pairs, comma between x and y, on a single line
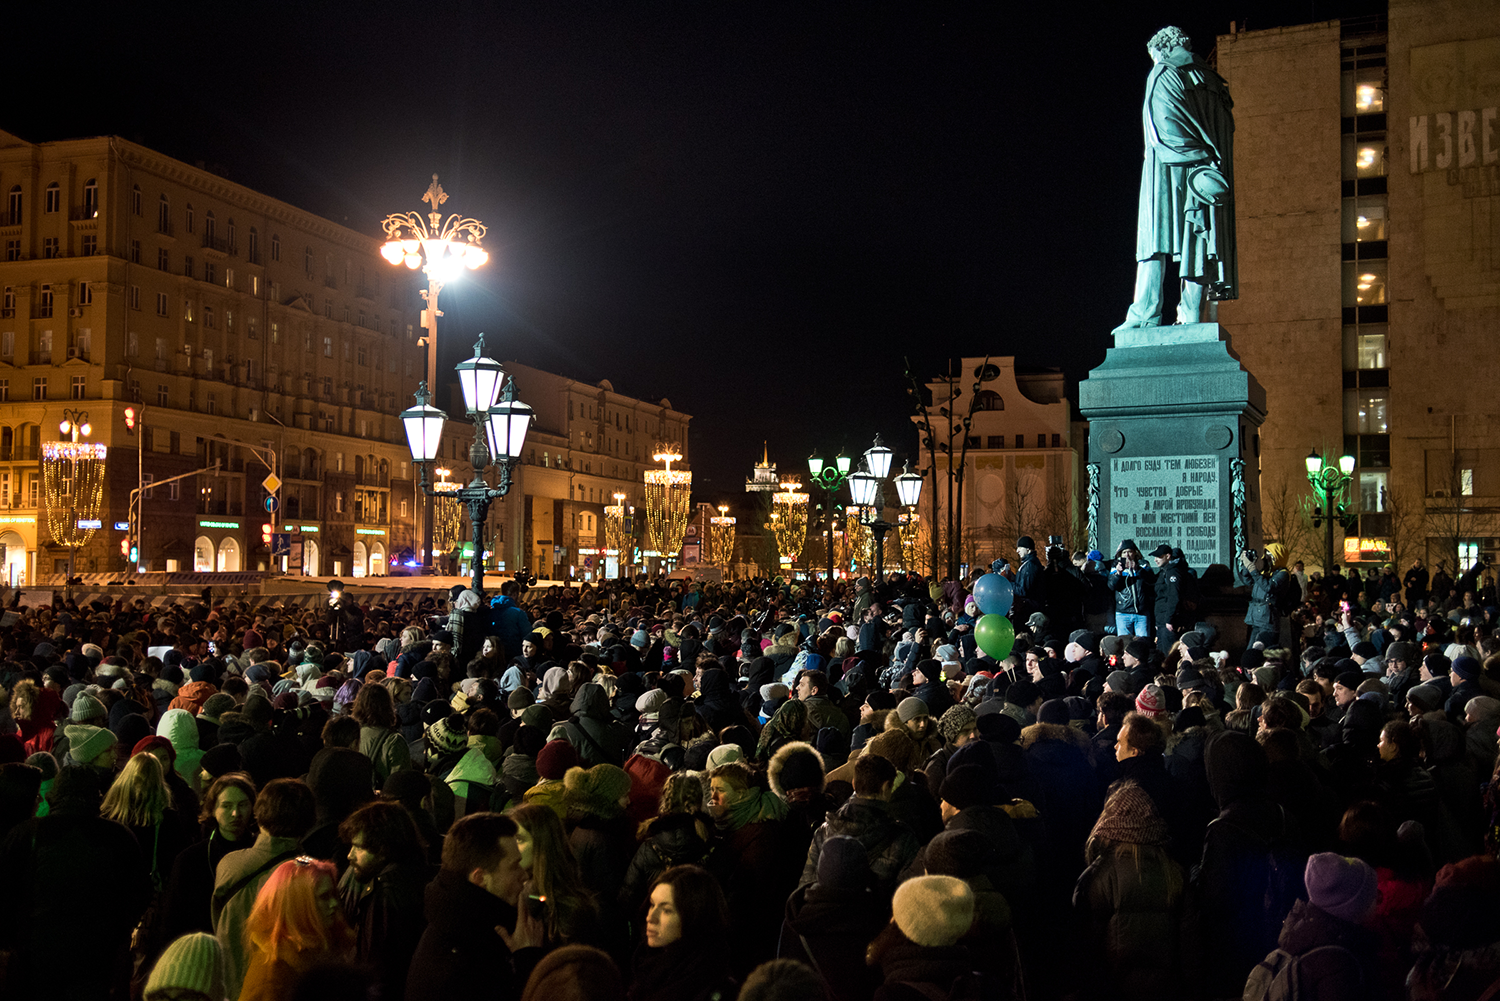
[(995, 635)]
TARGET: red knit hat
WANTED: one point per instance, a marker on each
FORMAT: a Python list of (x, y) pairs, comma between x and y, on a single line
[(147, 743), (1151, 702), (555, 758)]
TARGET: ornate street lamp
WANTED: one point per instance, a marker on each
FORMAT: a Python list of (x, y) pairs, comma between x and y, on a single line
[(1330, 483), (442, 249), (830, 478), (499, 435), (867, 493)]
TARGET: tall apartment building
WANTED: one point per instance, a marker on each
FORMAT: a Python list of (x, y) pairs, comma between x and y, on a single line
[(237, 326), (1021, 459), (586, 444), (1367, 161)]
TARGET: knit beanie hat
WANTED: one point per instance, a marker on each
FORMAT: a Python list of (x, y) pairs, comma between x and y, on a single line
[(257, 708), (955, 721), (217, 705), (85, 743), (1118, 681), (999, 728), (963, 854), (1151, 702), (154, 741), (447, 735), (530, 740), (1344, 887), (85, 708), (1112, 645), (194, 962), (935, 911), (724, 754), (555, 759), (966, 786), (773, 691), (44, 762), (1467, 668), (897, 747), (1085, 639), (521, 698), (1140, 649), (1429, 697), (221, 758), (597, 789), (1053, 711), (910, 708), (843, 865)]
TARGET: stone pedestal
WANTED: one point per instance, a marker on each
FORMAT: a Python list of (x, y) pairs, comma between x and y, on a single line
[(1174, 445)]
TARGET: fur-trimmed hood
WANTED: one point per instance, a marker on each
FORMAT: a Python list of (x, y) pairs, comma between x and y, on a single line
[(1037, 732), (788, 751)]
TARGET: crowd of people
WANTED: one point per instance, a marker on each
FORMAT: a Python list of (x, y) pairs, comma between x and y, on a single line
[(669, 791)]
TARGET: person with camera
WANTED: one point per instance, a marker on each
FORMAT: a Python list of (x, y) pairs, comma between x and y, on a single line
[(1131, 581), (1265, 583)]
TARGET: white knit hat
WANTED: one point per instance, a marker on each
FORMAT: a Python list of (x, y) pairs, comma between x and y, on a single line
[(194, 962), (934, 910)]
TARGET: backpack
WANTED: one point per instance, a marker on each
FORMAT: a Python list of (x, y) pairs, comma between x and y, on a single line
[(1282, 976)]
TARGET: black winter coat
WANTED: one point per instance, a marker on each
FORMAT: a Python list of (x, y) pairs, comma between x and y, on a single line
[(459, 954)]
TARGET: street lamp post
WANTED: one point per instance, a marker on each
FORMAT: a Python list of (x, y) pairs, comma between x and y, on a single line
[(830, 478), (442, 249), (500, 425), (73, 482), (1329, 482), (866, 490)]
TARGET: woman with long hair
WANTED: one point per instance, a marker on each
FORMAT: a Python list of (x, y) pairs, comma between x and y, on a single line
[(569, 913), (683, 956), (297, 923), (139, 799), (680, 833), (379, 740)]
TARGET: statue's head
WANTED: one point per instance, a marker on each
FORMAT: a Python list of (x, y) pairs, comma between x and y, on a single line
[(1167, 39)]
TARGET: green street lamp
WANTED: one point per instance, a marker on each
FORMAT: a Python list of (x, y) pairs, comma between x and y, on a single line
[(830, 478), (1330, 482)]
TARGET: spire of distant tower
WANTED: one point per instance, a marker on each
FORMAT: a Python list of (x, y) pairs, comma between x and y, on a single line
[(765, 454)]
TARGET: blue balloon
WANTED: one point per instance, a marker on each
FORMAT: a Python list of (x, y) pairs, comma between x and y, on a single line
[(994, 594)]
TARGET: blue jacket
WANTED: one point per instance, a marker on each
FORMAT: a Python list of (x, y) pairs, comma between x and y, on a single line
[(511, 624)]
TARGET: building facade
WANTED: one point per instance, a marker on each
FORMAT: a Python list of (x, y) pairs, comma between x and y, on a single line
[(1012, 471), (243, 333), (586, 444), (1367, 176)]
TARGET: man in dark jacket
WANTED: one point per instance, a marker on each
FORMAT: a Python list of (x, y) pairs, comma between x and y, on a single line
[(1029, 595), (382, 890), (466, 951), (812, 690), (889, 844), (1171, 586)]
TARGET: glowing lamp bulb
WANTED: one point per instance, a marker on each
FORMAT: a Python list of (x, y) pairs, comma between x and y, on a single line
[(392, 252)]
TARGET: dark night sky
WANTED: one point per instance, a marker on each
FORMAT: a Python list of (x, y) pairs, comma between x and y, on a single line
[(756, 210)]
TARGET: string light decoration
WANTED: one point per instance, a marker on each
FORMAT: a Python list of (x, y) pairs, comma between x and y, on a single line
[(73, 488), (721, 538), (789, 518), (668, 491), (616, 538), (447, 514), (914, 540), (857, 548)]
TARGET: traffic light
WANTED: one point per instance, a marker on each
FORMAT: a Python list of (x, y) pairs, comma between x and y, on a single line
[(265, 533), (135, 554), (130, 420), (125, 547)]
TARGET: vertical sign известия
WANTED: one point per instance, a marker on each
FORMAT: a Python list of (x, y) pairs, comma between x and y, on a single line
[(1171, 499)]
